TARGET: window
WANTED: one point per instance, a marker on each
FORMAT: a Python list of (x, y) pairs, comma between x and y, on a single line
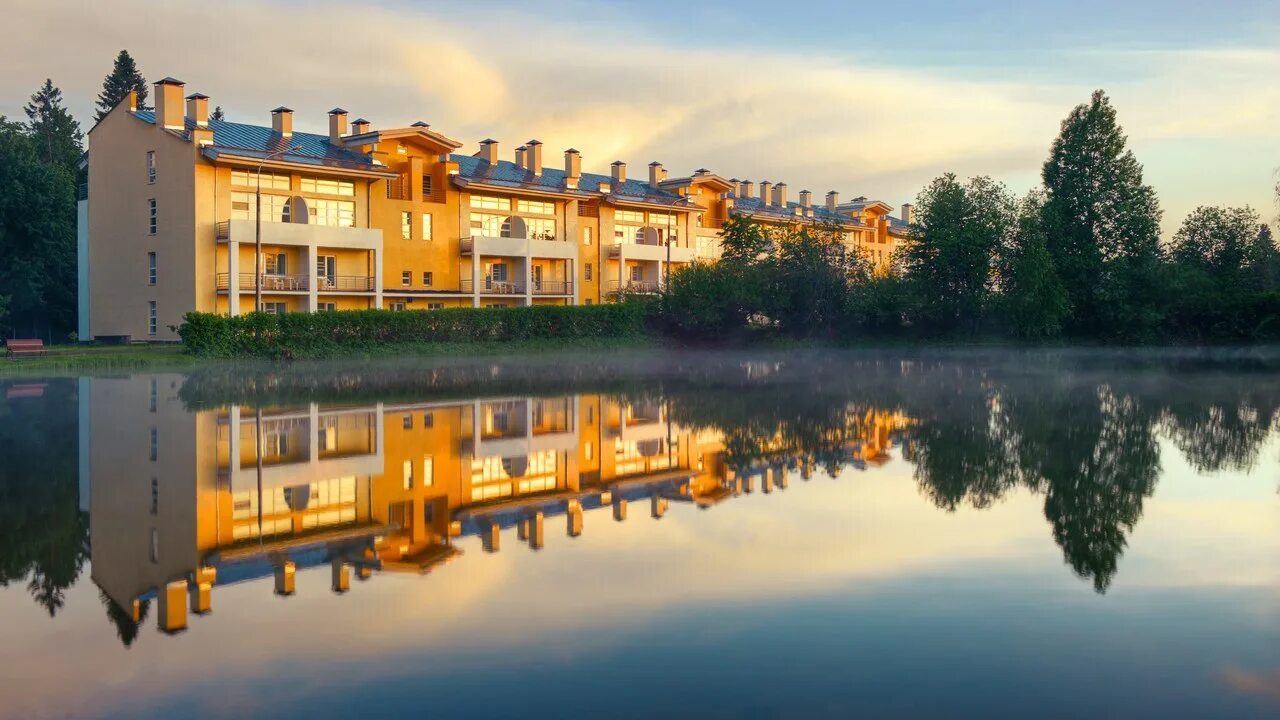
[(428, 420), (249, 178), (275, 208), (151, 268), (426, 278), (629, 216), (406, 226), (397, 307), (435, 306), (540, 228), (426, 187), (332, 213), (275, 264), (155, 445), (327, 307), (151, 318), (426, 227), (487, 224), (498, 272), (407, 421), (637, 274), (587, 301), (586, 271), (151, 216), (487, 202), (428, 471), (327, 270), (406, 278), (155, 496), (328, 187), (535, 207), (151, 167), (589, 450), (586, 236), (275, 308), (407, 472)]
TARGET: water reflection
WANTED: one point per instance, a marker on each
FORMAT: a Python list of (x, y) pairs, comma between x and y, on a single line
[(184, 485)]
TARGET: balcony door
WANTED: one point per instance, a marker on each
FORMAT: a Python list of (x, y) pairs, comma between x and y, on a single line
[(326, 271), (537, 277)]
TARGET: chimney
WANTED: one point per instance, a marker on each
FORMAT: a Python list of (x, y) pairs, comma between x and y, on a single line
[(766, 192), (520, 156), (489, 151), (833, 199), (748, 188), (168, 97), (806, 199), (421, 124), (533, 156), (780, 195), (572, 166), (337, 125), (619, 171), (198, 109), (132, 100), (909, 214), (359, 126), (655, 173), (736, 187), (282, 121)]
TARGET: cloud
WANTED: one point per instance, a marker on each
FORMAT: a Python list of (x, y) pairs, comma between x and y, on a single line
[(816, 118)]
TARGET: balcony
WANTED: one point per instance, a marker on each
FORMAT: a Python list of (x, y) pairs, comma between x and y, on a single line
[(552, 287), (270, 283), (517, 247), (493, 287), (344, 283), (652, 253), (299, 235), (634, 287)]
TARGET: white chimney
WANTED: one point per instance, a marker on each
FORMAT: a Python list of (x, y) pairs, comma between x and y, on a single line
[(655, 173), (780, 194), (169, 108), (198, 109), (833, 200), (533, 156), (619, 171), (359, 126), (282, 121), (489, 151), (806, 199), (909, 214), (766, 192), (572, 167), (337, 125), (520, 155)]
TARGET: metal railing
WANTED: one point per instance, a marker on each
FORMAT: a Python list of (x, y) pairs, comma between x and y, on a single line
[(634, 287), (274, 283), (493, 287), (344, 283), (552, 287), (222, 230)]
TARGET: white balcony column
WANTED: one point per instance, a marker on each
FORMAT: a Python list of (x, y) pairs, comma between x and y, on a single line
[(233, 278), (475, 277), (377, 277), (309, 254), (572, 276), (622, 264), (528, 279)]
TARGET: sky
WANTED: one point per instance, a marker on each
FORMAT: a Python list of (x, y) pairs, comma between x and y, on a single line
[(867, 99)]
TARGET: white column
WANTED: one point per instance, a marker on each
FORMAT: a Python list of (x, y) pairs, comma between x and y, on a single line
[(233, 278), (377, 277), (622, 263), (573, 278), (475, 277), (309, 255), (528, 278)]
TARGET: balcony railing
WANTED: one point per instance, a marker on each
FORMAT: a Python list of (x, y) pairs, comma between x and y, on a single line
[(275, 283), (344, 283), (634, 287), (493, 287), (222, 230), (552, 287)]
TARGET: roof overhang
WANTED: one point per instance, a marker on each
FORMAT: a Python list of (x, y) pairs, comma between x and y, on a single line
[(624, 201), (711, 179), (236, 158), (469, 184), (431, 138), (867, 205)]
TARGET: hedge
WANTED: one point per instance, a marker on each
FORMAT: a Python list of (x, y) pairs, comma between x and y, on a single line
[(321, 334)]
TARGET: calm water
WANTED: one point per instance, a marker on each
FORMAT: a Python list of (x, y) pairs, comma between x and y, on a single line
[(1088, 534)]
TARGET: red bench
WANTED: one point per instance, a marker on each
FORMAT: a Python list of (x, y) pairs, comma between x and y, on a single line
[(19, 348)]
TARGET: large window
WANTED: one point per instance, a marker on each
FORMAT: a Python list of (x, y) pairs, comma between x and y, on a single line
[(332, 213), (325, 186), (426, 227), (151, 216), (151, 167), (535, 207), (406, 225), (249, 178), (630, 217), (151, 268), (487, 224), (275, 208), (586, 236), (540, 228), (488, 202)]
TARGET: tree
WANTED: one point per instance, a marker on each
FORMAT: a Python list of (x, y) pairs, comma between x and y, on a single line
[(57, 134), (808, 277), (1102, 224), (955, 242), (743, 241), (1217, 241), (124, 76), (217, 113), (1031, 298)]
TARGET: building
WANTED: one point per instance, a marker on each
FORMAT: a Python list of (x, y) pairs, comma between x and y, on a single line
[(397, 218)]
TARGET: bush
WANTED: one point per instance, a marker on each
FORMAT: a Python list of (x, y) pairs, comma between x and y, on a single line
[(291, 335)]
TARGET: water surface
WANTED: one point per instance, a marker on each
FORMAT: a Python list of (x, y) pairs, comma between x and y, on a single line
[(982, 534)]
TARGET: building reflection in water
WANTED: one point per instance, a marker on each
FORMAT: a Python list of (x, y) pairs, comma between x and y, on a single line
[(182, 503)]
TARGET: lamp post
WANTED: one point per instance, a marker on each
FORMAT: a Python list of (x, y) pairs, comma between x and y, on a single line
[(257, 230)]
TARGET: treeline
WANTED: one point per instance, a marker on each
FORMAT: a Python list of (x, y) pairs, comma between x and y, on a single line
[(1079, 257), (39, 174)]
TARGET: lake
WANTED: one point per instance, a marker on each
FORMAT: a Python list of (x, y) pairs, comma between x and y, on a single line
[(907, 534)]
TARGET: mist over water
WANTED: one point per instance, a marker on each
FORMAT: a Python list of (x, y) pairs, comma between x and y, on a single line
[(962, 533)]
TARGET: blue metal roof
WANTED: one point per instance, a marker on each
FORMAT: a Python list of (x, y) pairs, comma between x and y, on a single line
[(258, 141), (756, 206), (507, 174)]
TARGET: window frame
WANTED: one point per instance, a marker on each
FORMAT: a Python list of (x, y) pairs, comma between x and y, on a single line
[(152, 274), (153, 216), (151, 167)]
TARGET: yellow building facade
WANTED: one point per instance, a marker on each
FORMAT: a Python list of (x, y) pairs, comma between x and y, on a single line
[(178, 204)]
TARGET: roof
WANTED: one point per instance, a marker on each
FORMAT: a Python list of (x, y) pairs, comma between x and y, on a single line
[(756, 207), (507, 174), (258, 142)]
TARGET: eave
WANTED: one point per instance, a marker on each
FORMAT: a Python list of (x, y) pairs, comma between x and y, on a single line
[(228, 156)]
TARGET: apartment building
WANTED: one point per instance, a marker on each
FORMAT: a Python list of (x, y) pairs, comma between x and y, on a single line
[(396, 218)]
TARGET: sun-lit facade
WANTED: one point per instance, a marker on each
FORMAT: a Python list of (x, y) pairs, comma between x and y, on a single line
[(184, 502), (396, 218)]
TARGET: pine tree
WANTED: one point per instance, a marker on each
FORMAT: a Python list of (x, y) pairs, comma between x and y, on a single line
[(57, 135), (123, 78), (217, 113), (1031, 295), (1103, 225)]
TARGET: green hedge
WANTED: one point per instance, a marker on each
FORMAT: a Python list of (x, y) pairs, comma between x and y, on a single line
[(321, 334)]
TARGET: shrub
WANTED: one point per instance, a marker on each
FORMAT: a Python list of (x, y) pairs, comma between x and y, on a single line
[(319, 334)]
